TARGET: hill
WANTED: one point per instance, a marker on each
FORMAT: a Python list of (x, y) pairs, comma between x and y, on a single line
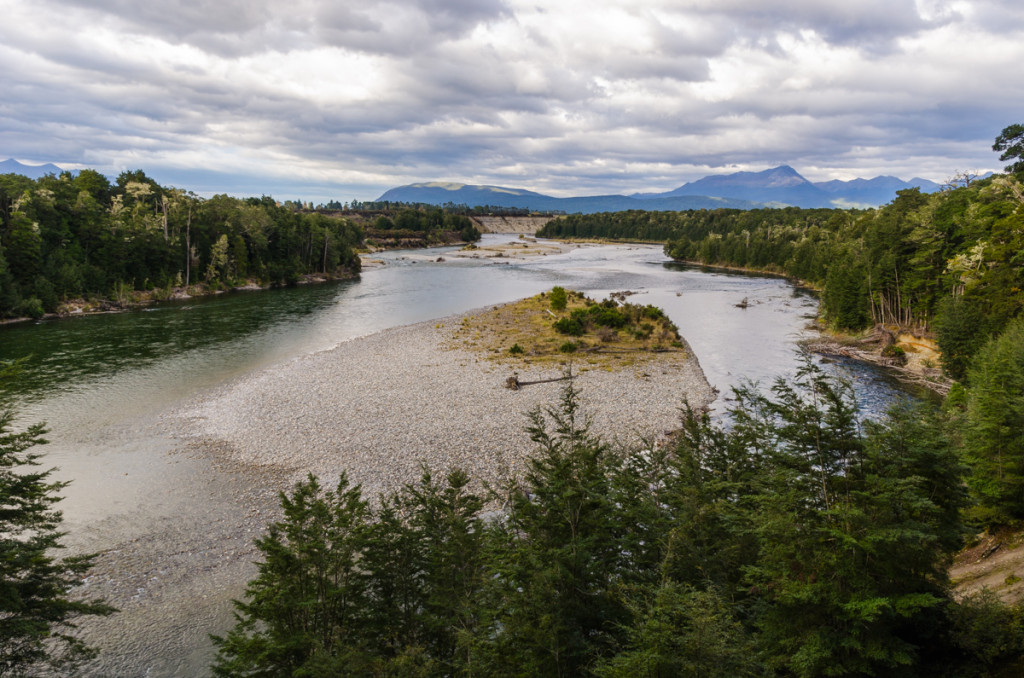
[(12, 166)]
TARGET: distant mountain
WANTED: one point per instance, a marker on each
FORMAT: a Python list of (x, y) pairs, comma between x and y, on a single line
[(31, 171), (440, 193), (776, 187), (781, 185), (873, 192), (784, 185)]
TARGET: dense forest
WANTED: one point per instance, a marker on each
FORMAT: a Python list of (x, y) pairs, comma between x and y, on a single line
[(948, 262), (81, 236)]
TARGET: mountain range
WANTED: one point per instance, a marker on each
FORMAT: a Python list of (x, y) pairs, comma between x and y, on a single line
[(777, 187), (31, 171)]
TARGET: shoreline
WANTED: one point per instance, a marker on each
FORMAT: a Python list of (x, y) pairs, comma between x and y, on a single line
[(74, 308), (370, 406)]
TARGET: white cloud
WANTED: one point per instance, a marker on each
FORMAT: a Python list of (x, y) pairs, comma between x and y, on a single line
[(599, 96)]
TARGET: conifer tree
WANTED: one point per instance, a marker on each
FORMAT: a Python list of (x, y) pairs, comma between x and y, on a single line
[(994, 431), (38, 613)]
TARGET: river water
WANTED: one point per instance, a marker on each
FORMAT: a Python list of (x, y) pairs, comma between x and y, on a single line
[(104, 382)]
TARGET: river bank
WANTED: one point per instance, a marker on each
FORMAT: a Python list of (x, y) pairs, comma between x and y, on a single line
[(136, 299), (911, 358), (381, 408)]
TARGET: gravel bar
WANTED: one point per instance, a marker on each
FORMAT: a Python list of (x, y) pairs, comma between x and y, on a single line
[(385, 406)]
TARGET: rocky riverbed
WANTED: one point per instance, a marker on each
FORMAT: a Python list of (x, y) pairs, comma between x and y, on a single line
[(380, 408), (383, 406)]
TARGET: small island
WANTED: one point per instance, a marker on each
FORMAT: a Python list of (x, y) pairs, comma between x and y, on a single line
[(435, 393)]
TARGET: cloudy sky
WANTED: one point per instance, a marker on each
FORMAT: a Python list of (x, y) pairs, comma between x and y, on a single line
[(319, 100)]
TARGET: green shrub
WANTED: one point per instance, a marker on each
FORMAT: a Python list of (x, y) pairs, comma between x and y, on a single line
[(30, 308), (559, 298), (571, 326), (516, 349), (606, 317), (568, 347), (652, 312)]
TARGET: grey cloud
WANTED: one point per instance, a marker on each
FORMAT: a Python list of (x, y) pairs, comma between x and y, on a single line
[(530, 115), (234, 28), (868, 24)]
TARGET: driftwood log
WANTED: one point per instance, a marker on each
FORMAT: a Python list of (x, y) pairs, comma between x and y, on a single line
[(514, 383)]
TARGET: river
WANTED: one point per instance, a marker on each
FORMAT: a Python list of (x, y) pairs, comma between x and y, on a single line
[(104, 384)]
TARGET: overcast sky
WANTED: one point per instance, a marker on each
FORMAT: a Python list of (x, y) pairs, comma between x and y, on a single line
[(321, 100)]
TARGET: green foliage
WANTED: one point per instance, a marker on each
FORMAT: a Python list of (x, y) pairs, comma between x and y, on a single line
[(854, 529), (516, 349), (559, 298), (342, 591), (435, 223), (309, 597), (37, 613), (989, 632), (960, 329), (571, 326), (65, 237), (569, 347), (993, 435), (683, 632), (1011, 143), (801, 541)]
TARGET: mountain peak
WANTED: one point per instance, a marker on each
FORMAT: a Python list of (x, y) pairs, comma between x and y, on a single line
[(12, 166)]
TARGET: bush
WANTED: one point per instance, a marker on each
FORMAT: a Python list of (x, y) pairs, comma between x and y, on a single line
[(559, 298), (895, 352), (644, 331), (30, 308), (568, 347), (571, 326), (516, 349)]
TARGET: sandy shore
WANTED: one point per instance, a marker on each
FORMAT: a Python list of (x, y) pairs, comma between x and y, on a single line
[(383, 406)]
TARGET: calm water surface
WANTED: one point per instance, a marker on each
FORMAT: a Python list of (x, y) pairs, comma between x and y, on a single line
[(90, 372)]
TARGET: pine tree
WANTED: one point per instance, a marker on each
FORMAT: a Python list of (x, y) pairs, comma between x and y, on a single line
[(38, 614), (994, 434), (306, 607)]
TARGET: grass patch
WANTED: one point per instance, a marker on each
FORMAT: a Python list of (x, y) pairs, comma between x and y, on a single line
[(602, 334)]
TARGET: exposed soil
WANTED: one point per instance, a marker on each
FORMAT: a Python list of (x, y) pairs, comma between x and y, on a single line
[(994, 562)]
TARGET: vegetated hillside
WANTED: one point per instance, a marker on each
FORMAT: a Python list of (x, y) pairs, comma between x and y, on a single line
[(947, 262)]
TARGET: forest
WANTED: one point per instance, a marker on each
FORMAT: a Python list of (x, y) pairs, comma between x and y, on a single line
[(79, 236)]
